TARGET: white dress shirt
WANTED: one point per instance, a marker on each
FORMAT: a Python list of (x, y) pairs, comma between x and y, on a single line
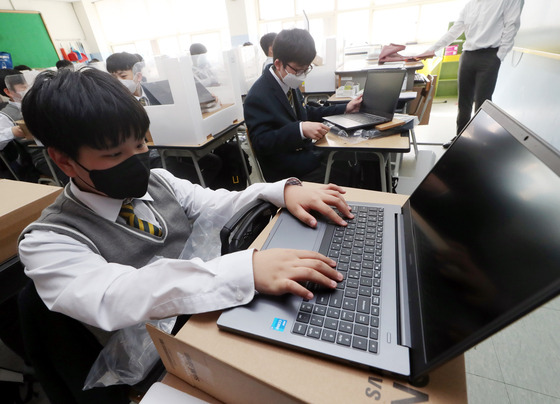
[(72, 279), (6, 125), (486, 24), (6, 134)]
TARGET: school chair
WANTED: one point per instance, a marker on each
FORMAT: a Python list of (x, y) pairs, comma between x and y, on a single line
[(62, 351)]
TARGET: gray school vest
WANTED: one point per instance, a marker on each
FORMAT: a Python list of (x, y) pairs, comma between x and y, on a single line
[(115, 242), (13, 112)]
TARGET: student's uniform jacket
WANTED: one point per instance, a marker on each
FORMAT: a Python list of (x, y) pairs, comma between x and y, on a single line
[(87, 263), (274, 129)]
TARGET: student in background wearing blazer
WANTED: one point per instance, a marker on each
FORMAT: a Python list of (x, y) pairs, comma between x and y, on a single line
[(121, 65), (128, 69), (281, 128)]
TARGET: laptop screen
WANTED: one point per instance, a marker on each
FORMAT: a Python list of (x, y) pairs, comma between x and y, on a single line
[(487, 228), (381, 92)]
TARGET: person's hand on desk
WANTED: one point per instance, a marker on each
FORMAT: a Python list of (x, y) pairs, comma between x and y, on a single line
[(279, 271), (300, 200), (354, 106), (17, 131), (314, 130), (425, 55)]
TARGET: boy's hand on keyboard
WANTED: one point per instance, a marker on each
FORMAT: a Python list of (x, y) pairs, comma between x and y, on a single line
[(300, 200), (279, 271)]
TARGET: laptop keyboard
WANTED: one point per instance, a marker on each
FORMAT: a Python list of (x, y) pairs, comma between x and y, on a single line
[(367, 119), (349, 315)]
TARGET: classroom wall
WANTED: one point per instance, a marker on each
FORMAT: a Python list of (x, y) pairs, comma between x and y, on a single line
[(540, 26), (528, 84), (59, 17)]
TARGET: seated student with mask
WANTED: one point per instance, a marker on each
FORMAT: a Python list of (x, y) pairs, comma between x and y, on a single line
[(280, 127), (128, 69), (91, 254), (121, 65), (27, 162)]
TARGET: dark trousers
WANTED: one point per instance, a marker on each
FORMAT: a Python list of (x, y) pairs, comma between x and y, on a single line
[(478, 73)]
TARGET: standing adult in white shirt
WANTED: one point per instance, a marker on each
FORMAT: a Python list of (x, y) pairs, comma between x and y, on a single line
[(490, 27)]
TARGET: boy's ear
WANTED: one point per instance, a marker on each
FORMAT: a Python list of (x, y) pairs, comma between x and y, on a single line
[(63, 161), (277, 64), (8, 94)]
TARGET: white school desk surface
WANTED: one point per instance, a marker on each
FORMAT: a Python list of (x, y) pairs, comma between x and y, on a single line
[(381, 147)]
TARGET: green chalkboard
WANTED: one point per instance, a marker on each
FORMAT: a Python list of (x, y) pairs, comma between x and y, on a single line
[(25, 36)]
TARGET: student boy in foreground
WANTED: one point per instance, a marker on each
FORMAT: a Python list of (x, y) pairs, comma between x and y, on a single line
[(280, 127), (89, 263)]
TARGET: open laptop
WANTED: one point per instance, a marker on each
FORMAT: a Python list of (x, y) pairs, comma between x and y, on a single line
[(474, 248), (381, 94)]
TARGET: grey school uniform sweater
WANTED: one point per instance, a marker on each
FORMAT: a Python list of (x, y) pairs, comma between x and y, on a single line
[(115, 242)]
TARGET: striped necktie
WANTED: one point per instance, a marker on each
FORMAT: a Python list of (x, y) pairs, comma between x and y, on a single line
[(291, 100), (144, 101), (127, 212)]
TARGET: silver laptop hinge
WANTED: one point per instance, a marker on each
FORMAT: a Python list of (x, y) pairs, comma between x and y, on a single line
[(404, 310)]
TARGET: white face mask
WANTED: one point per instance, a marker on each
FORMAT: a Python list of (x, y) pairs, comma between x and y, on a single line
[(293, 81), (130, 84), (18, 96)]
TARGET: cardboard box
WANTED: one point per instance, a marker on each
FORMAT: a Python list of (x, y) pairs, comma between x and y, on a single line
[(181, 385), (238, 369), (22, 203)]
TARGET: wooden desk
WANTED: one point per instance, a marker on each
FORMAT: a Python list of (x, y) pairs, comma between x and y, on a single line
[(382, 147), (356, 71), (196, 152)]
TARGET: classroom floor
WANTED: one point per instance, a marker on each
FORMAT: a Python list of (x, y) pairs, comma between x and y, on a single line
[(521, 364)]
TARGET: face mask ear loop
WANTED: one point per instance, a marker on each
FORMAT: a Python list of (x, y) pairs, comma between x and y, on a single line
[(84, 181)]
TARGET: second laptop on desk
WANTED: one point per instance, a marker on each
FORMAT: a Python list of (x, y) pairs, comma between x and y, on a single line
[(381, 94)]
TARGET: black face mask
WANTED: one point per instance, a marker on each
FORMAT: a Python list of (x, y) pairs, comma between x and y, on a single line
[(128, 179)]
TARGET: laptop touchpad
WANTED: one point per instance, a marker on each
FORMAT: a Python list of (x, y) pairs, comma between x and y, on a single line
[(289, 232)]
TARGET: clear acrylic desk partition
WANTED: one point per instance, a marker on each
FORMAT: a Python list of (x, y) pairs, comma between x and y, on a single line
[(197, 97)]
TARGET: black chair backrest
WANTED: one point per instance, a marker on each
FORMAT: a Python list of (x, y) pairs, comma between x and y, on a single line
[(242, 229), (61, 351)]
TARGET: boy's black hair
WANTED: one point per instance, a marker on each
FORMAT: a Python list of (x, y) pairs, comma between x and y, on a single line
[(121, 61), (197, 49), (22, 67), (69, 109), (266, 41), (294, 46), (62, 63), (8, 72)]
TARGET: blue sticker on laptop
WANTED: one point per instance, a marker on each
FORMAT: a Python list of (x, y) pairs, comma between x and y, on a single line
[(278, 324)]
